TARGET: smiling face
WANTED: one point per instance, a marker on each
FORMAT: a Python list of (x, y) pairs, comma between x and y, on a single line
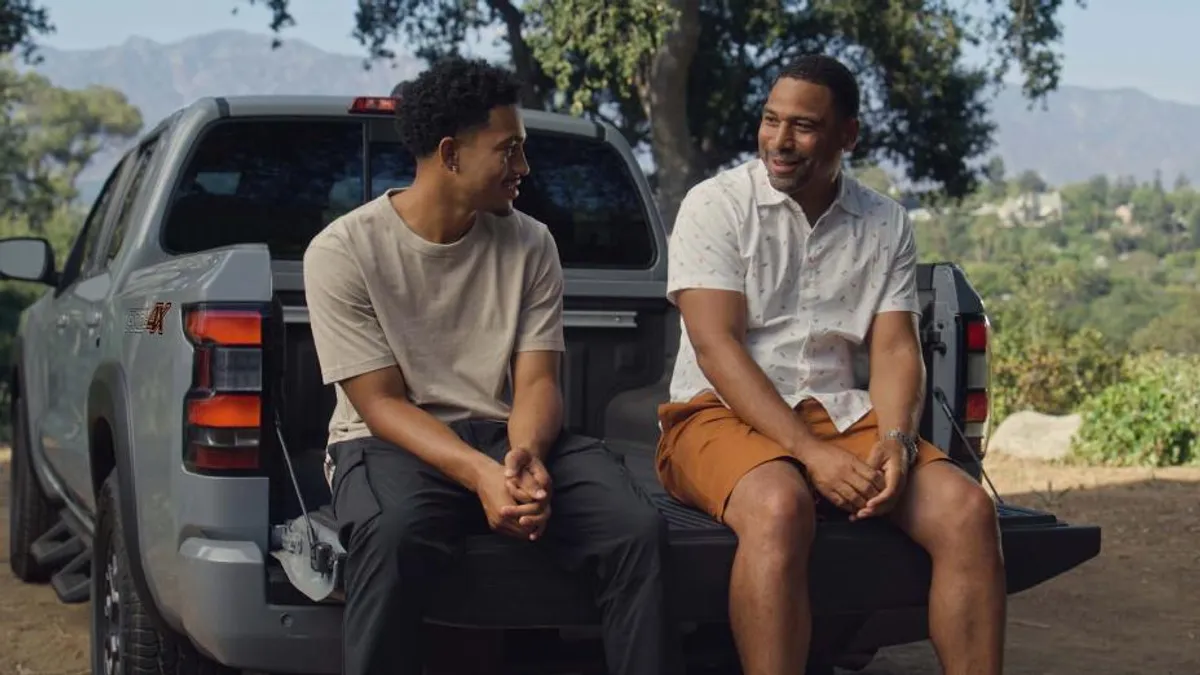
[(488, 163), (801, 137)]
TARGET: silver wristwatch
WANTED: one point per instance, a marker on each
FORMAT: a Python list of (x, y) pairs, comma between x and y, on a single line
[(908, 441)]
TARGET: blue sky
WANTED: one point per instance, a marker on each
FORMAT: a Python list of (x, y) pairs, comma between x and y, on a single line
[(1148, 44)]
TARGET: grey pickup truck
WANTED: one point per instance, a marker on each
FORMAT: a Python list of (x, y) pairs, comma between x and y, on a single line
[(170, 420)]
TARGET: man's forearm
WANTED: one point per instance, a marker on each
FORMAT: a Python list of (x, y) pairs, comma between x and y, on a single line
[(404, 424), (750, 394), (897, 389), (536, 419)]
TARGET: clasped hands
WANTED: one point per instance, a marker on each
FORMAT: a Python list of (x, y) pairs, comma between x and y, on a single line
[(862, 489), (516, 495)]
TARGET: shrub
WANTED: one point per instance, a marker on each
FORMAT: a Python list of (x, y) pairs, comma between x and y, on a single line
[(1052, 374), (1151, 418), (1040, 361)]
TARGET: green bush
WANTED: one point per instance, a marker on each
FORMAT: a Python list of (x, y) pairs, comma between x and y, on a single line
[(1150, 418), (1052, 374), (1039, 360)]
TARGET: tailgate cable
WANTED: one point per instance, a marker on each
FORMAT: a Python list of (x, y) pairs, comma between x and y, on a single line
[(312, 533), (941, 399)]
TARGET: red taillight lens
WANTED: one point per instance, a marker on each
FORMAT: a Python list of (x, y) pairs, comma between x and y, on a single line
[(223, 413), (977, 406), (210, 450), (373, 105), (977, 336), (226, 411), (226, 327)]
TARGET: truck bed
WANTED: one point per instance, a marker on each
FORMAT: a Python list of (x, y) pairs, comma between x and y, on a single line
[(856, 567)]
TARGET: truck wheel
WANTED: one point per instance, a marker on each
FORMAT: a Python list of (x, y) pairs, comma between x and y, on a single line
[(30, 513), (125, 639)]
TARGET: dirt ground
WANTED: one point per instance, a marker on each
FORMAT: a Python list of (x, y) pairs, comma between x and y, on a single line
[(1134, 609)]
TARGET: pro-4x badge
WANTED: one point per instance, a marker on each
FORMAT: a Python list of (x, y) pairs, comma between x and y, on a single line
[(147, 319)]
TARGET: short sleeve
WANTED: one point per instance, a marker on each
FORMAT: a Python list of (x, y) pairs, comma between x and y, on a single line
[(704, 250), (346, 332), (900, 290), (540, 326)]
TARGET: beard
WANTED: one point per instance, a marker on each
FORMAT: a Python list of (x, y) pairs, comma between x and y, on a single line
[(794, 177)]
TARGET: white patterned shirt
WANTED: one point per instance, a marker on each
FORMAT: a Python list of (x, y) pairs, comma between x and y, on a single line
[(811, 291)]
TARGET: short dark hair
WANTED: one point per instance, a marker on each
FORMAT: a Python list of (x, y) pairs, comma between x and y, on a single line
[(830, 73), (454, 95)]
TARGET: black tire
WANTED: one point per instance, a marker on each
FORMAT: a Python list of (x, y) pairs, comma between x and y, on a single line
[(30, 512), (125, 639)]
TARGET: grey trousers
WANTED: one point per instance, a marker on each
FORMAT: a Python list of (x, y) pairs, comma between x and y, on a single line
[(402, 521)]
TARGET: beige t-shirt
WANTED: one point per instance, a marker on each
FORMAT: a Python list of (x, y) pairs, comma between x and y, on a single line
[(451, 316)]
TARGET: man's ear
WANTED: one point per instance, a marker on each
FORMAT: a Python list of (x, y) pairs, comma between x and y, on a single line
[(448, 154), (850, 131)]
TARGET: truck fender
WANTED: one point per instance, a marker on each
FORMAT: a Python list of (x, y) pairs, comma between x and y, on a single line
[(108, 407)]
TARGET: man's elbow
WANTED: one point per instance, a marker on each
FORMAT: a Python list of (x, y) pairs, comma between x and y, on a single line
[(375, 396), (897, 359), (372, 409), (712, 350)]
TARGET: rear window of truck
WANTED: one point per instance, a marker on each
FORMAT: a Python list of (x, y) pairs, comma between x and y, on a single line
[(280, 181)]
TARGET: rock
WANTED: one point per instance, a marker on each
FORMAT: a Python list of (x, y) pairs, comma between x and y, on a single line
[(1034, 435)]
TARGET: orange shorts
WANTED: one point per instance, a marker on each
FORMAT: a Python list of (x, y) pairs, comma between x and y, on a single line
[(705, 449)]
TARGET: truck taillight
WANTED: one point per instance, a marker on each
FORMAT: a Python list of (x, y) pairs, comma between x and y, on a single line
[(374, 105), (978, 404), (977, 334), (223, 410)]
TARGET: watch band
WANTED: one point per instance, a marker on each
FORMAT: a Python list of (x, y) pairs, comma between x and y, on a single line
[(909, 441)]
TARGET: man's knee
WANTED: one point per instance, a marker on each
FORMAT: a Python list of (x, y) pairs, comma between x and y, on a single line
[(773, 505), (974, 513), (967, 520)]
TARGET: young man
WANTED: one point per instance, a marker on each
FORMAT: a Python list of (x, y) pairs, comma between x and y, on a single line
[(781, 268), (421, 302)]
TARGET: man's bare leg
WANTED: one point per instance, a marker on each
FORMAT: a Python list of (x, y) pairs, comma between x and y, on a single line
[(772, 512), (954, 520)]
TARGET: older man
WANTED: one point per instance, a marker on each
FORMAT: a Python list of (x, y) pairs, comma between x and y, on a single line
[(781, 268)]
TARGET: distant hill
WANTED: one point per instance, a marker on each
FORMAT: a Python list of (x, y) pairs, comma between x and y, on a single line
[(1082, 132), (160, 78)]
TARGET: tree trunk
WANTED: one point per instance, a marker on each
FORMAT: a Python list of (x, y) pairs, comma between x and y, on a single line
[(664, 96), (527, 68)]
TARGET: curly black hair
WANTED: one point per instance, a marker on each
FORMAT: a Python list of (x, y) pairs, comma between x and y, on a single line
[(830, 73), (454, 95)]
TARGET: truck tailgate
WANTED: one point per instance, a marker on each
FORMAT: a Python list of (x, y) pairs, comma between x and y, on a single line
[(856, 567)]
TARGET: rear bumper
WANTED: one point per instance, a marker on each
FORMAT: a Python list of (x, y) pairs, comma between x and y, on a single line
[(224, 611)]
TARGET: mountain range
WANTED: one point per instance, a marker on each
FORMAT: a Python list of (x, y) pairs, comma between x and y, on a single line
[(1078, 133)]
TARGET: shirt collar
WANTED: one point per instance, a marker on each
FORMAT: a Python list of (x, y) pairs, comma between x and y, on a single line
[(848, 198)]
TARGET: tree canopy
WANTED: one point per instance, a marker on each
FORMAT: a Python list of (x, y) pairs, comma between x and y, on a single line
[(687, 78), (48, 135), (21, 21)]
